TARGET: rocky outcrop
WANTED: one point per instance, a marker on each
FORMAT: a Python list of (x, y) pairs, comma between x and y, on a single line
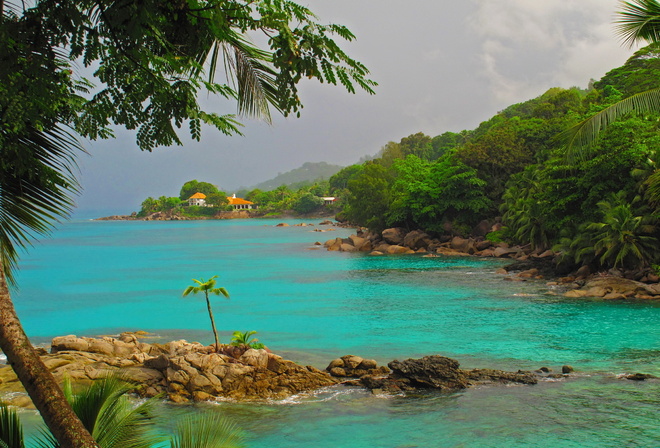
[(351, 366), (179, 370), (614, 287), (441, 373), (399, 241)]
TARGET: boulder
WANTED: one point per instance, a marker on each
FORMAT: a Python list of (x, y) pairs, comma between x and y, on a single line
[(483, 245), (282, 224), (439, 372), (461, 244), (483, 228), (394, 235), (505, 252), (355, 367), (382, 247), (357, 241), (395, 249), (417, 239), (583, 272), (345, 247)]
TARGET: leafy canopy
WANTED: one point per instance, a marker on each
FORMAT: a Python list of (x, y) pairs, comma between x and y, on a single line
[(151, 60)]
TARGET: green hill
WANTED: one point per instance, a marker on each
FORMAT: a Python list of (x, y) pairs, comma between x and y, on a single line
[(307, 174)]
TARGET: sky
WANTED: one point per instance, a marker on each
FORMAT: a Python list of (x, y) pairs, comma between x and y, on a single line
[(441, 65)]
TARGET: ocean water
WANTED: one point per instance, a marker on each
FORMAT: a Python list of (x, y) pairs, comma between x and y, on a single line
[(102, 277)]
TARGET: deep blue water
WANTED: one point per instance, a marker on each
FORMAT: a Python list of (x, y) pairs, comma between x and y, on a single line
[(310, 305)]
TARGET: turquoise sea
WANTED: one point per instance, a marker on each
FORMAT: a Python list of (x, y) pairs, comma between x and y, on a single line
[(102, 277)]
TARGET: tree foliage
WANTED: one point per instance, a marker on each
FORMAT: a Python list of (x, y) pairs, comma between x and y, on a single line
[(151, 60)]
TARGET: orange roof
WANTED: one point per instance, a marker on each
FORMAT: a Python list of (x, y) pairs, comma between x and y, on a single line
[(238, 201), (198, 196)]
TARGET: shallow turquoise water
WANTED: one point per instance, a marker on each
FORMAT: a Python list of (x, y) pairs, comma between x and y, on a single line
[(310, 305)]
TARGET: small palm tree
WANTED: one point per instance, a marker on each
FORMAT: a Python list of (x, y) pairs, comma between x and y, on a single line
[(208, 287)]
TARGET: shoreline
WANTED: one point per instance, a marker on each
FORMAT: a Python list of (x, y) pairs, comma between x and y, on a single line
[(186, 372), (526, 264)]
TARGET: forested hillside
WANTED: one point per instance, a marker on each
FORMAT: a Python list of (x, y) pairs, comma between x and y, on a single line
[(306, 175), (599, 206)]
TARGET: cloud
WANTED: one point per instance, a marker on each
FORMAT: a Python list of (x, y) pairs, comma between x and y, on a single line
[(568, 43)]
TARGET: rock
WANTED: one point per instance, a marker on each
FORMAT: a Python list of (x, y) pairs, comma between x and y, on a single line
[(639, 376), (584, 272), (366, 247), (437, 372), (158, 362), (566, 369), (71, 342), (483, 245), (547, 254), (255, 358), (619, 285), (382, 247), (345, 247), (416, 240), (504, 252), (461, 244), (395, 249), (652, 278), (486, 376), (614, 296), (357, 241), (376, 252), (394, 235), (529, 273), (596, 291), (355, 367), (575, 293), (325, 223), (482, 228), (181, 370), (282, 224)]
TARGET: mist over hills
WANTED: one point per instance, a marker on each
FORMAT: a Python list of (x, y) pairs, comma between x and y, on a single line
[(307, 174)]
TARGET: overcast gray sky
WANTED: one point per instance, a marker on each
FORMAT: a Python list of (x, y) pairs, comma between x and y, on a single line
[(441, 65)]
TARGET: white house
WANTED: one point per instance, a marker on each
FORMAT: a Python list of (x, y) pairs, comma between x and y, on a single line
[(197, 199)]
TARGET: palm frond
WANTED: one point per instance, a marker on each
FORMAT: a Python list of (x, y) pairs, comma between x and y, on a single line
[(111, 418), (206, 431), (247, 67), (36, 181), (639, 20), (580, 137), (11, 429)]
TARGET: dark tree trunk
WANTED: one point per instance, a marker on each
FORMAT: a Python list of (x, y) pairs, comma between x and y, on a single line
[(44, 391), (215, 332)]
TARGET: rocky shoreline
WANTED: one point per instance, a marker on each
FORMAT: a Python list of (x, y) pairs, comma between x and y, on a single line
[(526, 264), (182, 371)]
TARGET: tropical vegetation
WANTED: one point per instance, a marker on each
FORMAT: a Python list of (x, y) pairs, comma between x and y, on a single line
[(598, 205), (116, 421), (150, 60), (245, 339)]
